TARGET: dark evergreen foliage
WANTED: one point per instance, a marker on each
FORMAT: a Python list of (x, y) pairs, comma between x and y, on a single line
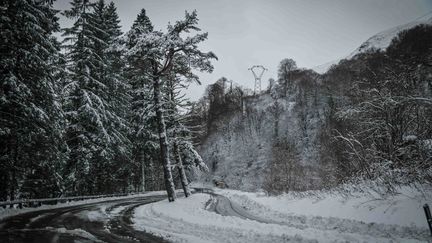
[(95, 101), (31, 137)]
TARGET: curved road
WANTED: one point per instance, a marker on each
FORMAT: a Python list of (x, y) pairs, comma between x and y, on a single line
[(110, 221), (107, 221)]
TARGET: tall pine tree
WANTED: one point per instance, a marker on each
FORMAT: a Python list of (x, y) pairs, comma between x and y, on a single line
[(156, 53), (143, 133), (30, 114), (95, 131), (180, 139)]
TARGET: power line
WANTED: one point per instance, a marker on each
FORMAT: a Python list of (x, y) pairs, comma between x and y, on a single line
[(258, 72)]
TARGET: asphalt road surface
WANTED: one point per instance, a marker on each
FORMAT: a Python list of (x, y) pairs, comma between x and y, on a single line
[(107, 221)]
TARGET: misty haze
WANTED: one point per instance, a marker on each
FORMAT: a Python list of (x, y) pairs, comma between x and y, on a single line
[(215, 121)]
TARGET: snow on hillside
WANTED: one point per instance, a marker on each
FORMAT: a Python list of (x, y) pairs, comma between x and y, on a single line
[(235, 216), (325, 67), (241, 150), (383, 39), (379, 41), (236, 154)]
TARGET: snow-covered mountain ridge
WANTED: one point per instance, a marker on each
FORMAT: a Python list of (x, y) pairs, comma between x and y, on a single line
[(379, 41)]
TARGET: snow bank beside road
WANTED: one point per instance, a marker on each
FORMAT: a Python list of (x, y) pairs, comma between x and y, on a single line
[(403, 209), (187, 220)]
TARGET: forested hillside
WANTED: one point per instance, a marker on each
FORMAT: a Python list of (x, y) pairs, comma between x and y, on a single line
[(98, 112), (366, 119)]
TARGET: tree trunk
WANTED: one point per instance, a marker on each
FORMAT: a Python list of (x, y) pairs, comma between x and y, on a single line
[(143, 188), (163, 141), (181, 171), (12, 190), (14, 181), (151, 173)]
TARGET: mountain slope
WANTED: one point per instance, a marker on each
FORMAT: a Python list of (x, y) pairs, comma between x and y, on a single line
[(379, 41), (245, 145), (311, 131)]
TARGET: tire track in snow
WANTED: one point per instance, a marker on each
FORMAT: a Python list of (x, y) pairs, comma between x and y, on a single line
[(225, 206), (192, 220)]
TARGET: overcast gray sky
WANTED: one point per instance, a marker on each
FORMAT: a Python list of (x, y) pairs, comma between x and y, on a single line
[(243, 33)]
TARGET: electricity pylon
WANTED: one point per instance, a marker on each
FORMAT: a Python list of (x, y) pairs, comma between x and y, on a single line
[(258, 72)]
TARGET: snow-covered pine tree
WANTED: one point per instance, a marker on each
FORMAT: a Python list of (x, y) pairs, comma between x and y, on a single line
[(112, 172), (157, 52), (172, 100), (179, 135), (142, 119), (30, 123), (119, 98), (95, 131), (77, 103)]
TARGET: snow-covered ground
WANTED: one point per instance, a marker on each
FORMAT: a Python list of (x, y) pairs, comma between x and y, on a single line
[(235, 216), (403, 209)]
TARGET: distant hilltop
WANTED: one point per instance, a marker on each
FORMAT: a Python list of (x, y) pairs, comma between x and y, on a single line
[(379, 41)]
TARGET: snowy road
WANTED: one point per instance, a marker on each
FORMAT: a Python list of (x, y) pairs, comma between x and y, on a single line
[(207, 216), (225, 207), (107, 221)]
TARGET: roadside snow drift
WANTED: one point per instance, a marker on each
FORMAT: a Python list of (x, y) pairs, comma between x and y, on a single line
[(275, 220)]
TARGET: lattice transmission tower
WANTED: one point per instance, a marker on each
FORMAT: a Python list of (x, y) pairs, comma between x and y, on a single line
[(258, 72)]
